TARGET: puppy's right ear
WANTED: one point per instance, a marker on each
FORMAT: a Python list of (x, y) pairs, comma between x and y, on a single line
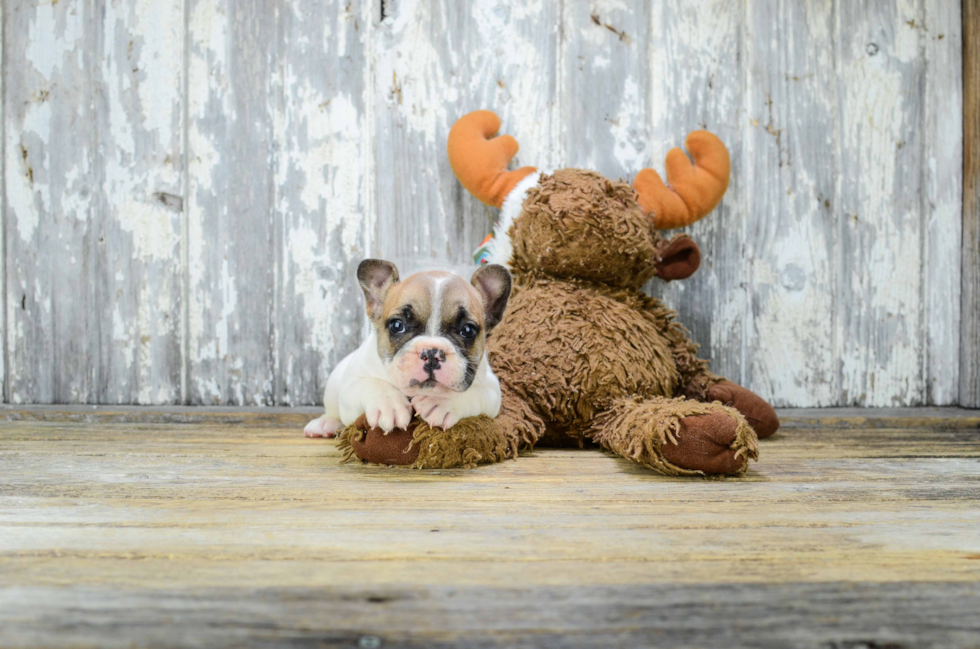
[(376, 276)]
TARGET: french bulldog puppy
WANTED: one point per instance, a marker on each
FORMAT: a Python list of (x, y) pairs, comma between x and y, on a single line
[(426, 353)]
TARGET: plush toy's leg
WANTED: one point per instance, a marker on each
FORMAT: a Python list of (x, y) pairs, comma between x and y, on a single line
[(677, 436), (472, 441), (377, 447)]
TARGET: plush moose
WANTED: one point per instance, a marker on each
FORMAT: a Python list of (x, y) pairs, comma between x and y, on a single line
[(582, 353)]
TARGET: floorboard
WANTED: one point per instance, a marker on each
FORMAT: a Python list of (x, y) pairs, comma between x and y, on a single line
[(229, 528)]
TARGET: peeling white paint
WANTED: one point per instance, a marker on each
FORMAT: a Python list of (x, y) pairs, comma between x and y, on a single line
[(359, 168), (45, 52), (885, 279)]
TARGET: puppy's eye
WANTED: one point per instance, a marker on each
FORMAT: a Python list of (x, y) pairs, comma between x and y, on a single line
[(396, 327), (469, 331)]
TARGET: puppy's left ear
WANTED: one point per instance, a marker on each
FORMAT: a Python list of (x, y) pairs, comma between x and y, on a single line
[(376, 276), (492, 281)]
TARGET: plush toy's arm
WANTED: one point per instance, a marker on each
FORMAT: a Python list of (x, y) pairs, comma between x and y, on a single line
[(695, 377), (701, 384)]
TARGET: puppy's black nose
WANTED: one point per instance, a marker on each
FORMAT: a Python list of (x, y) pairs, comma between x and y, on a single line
[(432, 358)]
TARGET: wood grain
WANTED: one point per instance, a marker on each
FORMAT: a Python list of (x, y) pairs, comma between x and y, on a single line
[(790, 137), (880, 229), (292, 416), (942, 203), (511, 66), (3, 227), (52, 202), (417, 93), (969, 388), (94, 195), (255, 535), (323, 189), (187, 188), (139, 104), (833, 615), (605, 111), (435, 61), (231, 233)]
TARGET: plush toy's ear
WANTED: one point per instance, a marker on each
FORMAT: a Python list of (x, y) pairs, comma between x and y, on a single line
[(692, 190), (678, 258), (492, 281), (479, 159), (376, 276)]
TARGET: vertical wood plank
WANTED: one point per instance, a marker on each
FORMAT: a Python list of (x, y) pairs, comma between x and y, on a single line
[(52, 232), (790, 171), (140, 199), (436, 61), (323, 172), (605, 83), (3, 226), (419, 53), (231, 245), (697, 82), (969, 388), (941, 199), (511, 67), (880, 279)]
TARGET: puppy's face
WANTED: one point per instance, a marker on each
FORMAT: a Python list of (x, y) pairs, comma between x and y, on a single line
[(432, 327)]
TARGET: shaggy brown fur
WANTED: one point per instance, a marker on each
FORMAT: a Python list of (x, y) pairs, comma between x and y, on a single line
[(580, 340), (473, 441)]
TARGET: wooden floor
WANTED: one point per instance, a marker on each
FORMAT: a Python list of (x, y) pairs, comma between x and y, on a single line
[(119, 528)]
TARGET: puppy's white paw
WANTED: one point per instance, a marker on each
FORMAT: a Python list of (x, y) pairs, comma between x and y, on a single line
[(435, 411), (389, 411), (323, 426)]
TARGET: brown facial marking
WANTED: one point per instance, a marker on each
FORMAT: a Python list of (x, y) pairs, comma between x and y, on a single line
[(413, 302), (462, 307)]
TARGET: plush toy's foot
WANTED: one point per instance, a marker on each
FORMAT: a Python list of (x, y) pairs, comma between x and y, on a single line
[(473, 441), (323, 426), (754, 408), (374, 445), (678, 436), (704, 443)]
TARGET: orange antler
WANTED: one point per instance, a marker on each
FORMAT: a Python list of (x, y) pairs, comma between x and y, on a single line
[(480, 163), (692, 190)]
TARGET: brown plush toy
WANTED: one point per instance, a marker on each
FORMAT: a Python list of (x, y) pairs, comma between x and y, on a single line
[(582, 353)]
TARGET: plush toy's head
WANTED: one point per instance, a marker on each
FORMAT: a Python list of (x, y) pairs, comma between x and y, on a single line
[(578, 224)]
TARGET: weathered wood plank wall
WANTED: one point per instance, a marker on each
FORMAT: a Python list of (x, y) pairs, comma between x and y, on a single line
[(970, 300), (188, 184)]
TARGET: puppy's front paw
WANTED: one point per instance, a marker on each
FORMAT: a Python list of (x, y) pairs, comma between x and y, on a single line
[(323, 426), (388, 411), (435, 411)]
